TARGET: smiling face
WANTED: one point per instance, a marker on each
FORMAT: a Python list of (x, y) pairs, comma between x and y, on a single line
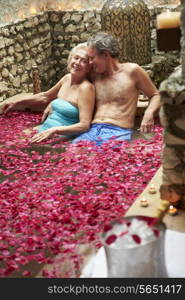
[(97, 60), (79, 62)]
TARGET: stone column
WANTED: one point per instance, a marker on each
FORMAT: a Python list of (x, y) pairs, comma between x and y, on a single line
[(172, 115), (183, 36)]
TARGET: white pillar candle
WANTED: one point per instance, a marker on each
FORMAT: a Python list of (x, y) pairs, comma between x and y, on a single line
[(168, 19)]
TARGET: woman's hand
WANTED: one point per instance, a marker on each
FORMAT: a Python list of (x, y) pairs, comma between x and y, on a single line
[(6, 106), (46, 112), (41, 136)]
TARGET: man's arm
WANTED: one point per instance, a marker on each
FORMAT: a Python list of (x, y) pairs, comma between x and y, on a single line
[(147, 123), (145, 84)]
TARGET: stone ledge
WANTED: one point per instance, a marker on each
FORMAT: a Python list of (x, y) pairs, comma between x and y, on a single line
[(176, 223), (142, 102), (23, 107)]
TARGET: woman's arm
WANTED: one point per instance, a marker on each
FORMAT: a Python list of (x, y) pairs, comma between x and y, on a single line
[(86, 108), (36, 100)]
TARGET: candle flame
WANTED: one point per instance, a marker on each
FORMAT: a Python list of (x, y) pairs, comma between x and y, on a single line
[(21, 14), (75, 5), (143, 199), (33, 11), (61, 7)]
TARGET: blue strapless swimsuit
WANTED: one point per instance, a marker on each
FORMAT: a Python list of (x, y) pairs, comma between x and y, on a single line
[(63, 114)]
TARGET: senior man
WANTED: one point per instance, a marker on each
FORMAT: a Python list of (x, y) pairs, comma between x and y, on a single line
[(117, 86)]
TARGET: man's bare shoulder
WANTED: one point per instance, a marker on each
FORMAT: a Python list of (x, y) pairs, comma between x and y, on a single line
[(130, 67)]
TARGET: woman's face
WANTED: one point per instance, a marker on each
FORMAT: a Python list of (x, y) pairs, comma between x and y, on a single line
[(79, 63)]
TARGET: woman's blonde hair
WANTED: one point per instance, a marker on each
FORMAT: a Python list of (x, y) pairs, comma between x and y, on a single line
[(82, 46)]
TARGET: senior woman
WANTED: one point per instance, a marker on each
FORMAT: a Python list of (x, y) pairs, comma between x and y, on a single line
[(71, 100)]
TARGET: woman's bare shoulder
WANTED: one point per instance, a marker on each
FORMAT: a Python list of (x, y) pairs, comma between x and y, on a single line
[(65, 78), (87, 85)]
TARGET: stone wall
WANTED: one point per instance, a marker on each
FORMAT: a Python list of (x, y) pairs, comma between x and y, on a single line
[(47, 38), (44, 40), (183, 38), (23, 44), (160, 2), (69, 29), (13, 10)]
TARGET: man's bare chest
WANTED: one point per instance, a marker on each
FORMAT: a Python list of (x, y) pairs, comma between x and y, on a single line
[(115, 89)]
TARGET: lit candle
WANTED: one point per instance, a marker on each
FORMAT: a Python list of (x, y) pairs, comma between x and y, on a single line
[(143, 202), (172, 210), (33, 11), (161, 210), (152, 189), (21, 14), (168, 19)]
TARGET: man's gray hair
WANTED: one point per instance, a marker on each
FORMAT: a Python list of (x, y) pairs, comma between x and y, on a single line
[(103, 41)]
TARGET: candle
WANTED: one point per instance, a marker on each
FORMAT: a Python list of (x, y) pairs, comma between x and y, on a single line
[(172, 211), (152, 189), (21, 14), (33, 11), (143, 202), (163, 207), (168, 19)]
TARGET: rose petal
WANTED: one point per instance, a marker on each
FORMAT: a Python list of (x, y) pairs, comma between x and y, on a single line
[(111, 239), (136, 238)]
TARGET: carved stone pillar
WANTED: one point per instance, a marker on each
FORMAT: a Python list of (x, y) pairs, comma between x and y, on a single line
[(129, 22)]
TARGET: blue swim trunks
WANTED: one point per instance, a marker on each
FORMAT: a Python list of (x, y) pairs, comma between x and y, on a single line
[(102, 132)]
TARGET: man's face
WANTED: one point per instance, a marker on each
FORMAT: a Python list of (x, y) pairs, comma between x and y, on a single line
[(98, 61)]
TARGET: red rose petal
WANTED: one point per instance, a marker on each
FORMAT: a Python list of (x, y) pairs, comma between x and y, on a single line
[(136, 238), (107, 227), (111, 239), (54, 201)]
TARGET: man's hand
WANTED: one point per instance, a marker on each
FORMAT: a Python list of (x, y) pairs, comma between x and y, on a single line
[(41, 136), (147, 124)]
